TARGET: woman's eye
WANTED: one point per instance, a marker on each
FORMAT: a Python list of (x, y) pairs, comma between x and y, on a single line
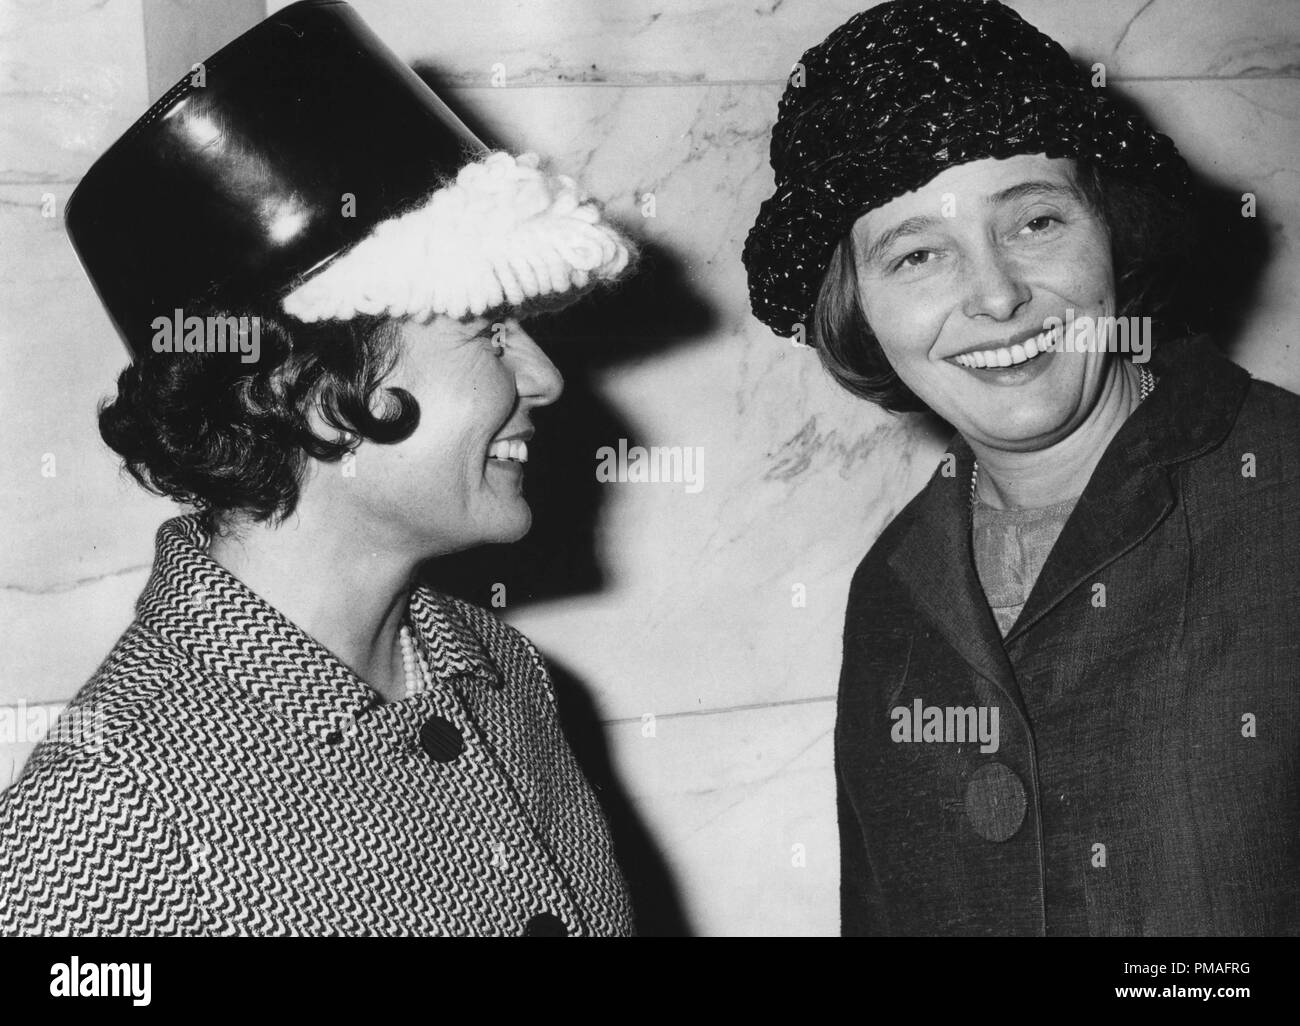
[(1041, 223), (915, 258), (492, 336)]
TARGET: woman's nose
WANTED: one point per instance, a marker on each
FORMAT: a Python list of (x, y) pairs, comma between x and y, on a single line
[(994, 287), (537, 378)]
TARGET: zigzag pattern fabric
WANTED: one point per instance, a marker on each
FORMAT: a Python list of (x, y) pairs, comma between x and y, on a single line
[(248, 783)]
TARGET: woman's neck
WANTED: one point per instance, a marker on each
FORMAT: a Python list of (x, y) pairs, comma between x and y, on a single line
[(1044, 477), (328, 578)]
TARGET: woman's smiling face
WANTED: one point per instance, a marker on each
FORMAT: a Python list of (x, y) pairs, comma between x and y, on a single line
[(457, 481), (978, 260)]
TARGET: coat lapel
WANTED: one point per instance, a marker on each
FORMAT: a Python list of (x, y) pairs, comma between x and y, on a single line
[(1125, 500), (936, 564), (1194, 405)]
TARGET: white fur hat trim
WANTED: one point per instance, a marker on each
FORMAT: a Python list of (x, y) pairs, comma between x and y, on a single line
[(504, 232)]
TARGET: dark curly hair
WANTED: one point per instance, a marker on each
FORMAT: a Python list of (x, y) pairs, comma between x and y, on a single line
[(1150, 239), (229, 437)]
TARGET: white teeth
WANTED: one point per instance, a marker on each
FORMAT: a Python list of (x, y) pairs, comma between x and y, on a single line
[(1007, 356), (509, 449)]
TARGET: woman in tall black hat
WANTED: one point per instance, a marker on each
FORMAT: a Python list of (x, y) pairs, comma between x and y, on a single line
[(1068, 702), (319, 272)]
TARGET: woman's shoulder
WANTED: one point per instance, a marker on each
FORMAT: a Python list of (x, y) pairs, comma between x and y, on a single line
[(141, 669), (1260, 449), (137, 695), (83, 788), (874, 574), (1271, 412), (1213, 402)]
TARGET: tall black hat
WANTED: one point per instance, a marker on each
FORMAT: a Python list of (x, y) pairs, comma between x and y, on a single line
[(292, 145)]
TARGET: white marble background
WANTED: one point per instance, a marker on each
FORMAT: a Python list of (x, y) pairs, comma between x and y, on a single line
[(692, 622)]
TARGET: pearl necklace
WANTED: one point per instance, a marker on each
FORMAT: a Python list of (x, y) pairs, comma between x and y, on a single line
[(414, 667), (1146, 385)]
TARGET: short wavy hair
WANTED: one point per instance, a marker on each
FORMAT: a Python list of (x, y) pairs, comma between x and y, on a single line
[(229, 437), (1150, 239)]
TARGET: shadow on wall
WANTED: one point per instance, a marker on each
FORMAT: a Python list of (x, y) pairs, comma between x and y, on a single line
[(654, 310), (1232, 252), (651, 312), (1217, 283)]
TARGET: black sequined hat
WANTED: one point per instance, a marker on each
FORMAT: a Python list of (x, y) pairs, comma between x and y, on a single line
[(904, 91)]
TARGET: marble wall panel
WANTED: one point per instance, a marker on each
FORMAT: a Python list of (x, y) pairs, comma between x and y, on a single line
[(717, 611)]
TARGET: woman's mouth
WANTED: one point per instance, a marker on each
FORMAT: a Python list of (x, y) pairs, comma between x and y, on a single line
[(509, 450), (1010, 356)]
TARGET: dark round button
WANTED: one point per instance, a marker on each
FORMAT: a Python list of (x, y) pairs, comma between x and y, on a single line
[(440, 739), (334, 737), (546, 924), (995, 802)]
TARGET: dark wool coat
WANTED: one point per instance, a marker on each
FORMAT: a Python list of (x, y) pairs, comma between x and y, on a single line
[(1145, 777), (247, 782)]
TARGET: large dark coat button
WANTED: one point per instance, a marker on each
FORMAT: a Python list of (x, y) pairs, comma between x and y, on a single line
[(440, 739), (546, 924), (995, 802)]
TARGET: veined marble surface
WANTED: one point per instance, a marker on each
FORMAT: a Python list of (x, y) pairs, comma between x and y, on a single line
[(718, 613), (659, 42)]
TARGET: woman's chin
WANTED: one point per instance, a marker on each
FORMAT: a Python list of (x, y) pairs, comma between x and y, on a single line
[(1024, 430), (511, 524), (500, 523)]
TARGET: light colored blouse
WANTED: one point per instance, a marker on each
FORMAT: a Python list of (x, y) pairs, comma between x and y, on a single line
[(1011, 546)]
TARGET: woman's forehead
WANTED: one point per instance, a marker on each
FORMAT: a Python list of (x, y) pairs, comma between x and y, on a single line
[(984, 182)]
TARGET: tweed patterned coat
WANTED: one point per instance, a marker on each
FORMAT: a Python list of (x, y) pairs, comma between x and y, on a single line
[(244, 781)]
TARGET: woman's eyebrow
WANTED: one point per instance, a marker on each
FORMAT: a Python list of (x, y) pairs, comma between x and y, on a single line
[(1020, 190), (910, 226), (1033, 188)]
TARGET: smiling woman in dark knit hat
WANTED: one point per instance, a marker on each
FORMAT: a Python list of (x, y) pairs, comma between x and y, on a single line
[(1068, 702), (294, 738)]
